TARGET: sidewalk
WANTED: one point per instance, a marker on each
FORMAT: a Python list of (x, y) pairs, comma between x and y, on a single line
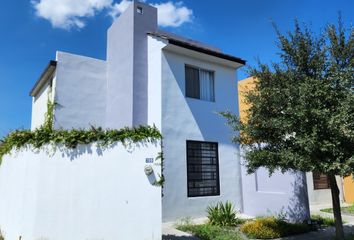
[(169, 232)]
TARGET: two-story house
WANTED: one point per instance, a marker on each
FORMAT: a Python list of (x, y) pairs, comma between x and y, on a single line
[(152, 77)]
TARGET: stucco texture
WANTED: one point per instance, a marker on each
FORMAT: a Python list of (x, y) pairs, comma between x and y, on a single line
[(87, 193), (193, 119)]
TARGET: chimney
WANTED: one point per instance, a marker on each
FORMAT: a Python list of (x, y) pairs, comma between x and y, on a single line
[(127, 66)]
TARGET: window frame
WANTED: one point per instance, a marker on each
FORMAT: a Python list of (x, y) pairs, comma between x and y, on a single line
[(199, 69), (315, 184), (139, 10), (217, 169)]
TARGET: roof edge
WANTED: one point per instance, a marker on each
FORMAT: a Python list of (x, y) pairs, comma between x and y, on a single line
[(43, 78), (200, 49)]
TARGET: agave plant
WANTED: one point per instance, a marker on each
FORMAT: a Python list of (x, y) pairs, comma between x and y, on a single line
[(222, 214)]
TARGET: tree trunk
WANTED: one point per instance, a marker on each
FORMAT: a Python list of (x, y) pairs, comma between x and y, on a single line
[(336, 207)]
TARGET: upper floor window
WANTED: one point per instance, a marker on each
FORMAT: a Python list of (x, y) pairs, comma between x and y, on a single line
[(200, 83)]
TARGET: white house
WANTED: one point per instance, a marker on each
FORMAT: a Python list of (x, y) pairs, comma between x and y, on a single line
[(151, 77)]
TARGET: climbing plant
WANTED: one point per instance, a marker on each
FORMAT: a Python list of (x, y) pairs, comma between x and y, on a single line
[(161, 180), (72, 138)]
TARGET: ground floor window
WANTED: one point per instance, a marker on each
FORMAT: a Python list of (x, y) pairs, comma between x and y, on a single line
[(202, 169), (320, 181)]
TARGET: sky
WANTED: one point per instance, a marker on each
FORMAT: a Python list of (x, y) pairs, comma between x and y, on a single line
[(32, 31)]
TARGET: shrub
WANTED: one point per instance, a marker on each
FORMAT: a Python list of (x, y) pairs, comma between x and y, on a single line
[(222, 215), (324, 221), (210, 232), (271, 227)]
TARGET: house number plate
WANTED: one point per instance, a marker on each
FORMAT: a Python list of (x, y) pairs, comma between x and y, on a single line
[(149, 160)]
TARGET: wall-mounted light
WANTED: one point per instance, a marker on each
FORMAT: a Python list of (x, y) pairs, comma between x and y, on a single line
[(148, 170)]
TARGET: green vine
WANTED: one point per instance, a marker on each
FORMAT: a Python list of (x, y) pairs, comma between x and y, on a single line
[(72, 138), (161, 180), (49, 115)]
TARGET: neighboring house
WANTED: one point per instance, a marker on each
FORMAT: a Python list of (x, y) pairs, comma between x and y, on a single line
[(319, 189), (152, 77), (319, 192), (348, 189)]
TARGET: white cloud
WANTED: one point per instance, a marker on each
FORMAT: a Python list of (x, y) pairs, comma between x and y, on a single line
[(69, 14), (118, 8), (173, 14)]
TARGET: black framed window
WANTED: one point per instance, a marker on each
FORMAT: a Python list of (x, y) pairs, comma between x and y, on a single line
[(199, 83), (320, 181), (202, 169)]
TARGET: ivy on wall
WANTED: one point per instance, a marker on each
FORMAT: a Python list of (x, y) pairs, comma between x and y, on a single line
[(161, 180), (72, 138)]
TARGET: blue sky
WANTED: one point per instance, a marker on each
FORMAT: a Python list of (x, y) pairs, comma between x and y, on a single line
[(31, 32)]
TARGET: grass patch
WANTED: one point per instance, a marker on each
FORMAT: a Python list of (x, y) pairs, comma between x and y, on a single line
[(322, 221), (271, 227), (345, 210), (211, 232)]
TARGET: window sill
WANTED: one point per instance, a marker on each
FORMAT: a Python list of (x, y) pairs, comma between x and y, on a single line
[(201, 100)]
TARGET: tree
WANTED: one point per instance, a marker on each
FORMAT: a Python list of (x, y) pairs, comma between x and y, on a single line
[(301, 114)]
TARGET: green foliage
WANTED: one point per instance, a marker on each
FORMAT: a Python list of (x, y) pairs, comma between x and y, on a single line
[(211, 232), (271, 227), (222, 214), (161, 180), (301, 113), (346, 210), (322, 221), (49, 116), (72, 138), (327, 210)]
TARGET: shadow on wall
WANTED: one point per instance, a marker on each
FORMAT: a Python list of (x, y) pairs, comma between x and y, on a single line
[(298, 209), (74, 153)]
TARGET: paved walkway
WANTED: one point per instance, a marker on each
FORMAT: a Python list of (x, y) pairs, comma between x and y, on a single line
[(169, 232)]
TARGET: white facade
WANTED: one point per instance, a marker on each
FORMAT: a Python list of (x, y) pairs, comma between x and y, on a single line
[(86, 193), (39, 105), (79, 92), (143, 82), (193, 119)]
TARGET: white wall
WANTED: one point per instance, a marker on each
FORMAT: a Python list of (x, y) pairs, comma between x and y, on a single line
[(192, 119), (127, 66), (39, 105), (280, 194), (120, 71), (154, 101), (89, 194), (79, 92)]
